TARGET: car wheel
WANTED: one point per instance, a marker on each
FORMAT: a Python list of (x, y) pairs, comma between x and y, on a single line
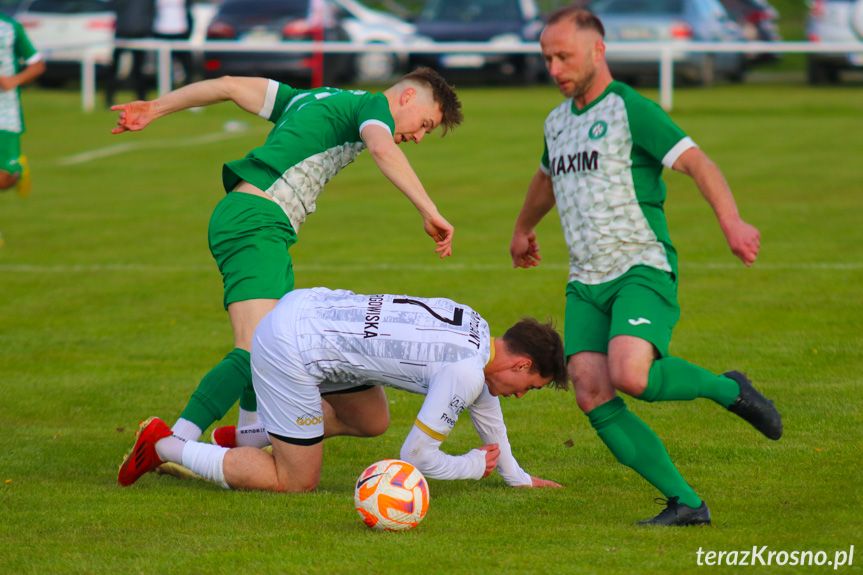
[(738, 72), (375, 66), (821, 74)]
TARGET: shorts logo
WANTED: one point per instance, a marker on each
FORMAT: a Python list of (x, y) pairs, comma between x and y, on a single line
[(457, 405), (639, 321), (597, 130), (310, 419)]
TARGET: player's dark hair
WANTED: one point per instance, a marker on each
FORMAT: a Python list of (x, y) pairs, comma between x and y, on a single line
[(443, 94), (543, 345), (583, 19)]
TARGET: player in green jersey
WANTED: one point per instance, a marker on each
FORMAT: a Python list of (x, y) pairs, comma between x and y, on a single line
[(20, 63), (605, 150), (270, 192)]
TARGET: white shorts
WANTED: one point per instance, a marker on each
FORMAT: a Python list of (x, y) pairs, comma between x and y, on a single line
[(289, 398)]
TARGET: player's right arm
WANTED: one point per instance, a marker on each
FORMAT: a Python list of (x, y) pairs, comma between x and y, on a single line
[(524, 248), (450, 391), (248, 93), (393, 163)]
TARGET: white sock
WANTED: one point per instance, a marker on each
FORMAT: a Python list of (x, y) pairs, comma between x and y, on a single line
[(206, 460), (247, 418), (187, 430), (252, 436), (171, 448)]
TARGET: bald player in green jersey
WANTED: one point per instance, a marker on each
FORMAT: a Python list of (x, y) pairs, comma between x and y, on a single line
[(270, 192), (606, 146)]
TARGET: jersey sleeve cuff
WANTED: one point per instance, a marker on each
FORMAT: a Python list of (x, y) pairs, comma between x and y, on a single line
[(545, 169), (375, 123), (269, 99), (677, 150), (429, 431)]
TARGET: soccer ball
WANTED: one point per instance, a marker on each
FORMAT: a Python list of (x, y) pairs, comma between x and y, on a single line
[(391, 495)]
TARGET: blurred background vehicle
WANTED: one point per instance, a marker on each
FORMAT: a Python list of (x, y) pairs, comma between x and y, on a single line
[(834, 21), (10, 7), (669, 21), (495, 21), (76, 21), (760, 23), (259, 21)]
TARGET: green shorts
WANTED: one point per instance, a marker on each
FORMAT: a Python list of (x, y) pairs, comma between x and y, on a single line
[(642, 303), (250, 237), (10, 152)]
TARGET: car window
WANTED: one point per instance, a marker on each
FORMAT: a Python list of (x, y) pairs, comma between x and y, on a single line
[(638, 6), (466, 11), (69, 6), (264, 8)]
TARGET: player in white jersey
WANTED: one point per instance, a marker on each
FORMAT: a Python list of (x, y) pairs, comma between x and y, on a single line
[(606, 146), (346, 346)]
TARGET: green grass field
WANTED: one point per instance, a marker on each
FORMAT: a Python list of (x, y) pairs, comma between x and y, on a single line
[(111, 312)]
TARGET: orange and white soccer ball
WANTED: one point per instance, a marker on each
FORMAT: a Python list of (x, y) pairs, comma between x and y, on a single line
[(391, 495)]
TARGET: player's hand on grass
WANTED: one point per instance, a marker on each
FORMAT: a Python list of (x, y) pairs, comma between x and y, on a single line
[(744, 241), (134, 116), (441, 231), (524, 250), (537, 482), (492, 454)]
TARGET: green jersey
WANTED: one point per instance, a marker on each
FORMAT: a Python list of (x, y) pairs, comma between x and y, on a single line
[(605, 163), (317, 133), (15, 51)]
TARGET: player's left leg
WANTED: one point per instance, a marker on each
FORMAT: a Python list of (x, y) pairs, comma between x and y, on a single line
[(249, 238), (361, 413), (644, 313), (10, 160)]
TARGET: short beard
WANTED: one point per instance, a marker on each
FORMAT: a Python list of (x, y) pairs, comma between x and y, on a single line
[(580, 88)]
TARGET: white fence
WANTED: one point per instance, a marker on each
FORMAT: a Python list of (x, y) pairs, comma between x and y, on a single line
[(666, 51)]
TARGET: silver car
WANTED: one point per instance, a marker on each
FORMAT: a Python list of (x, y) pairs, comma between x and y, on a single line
[(669, 21), (834, 21)]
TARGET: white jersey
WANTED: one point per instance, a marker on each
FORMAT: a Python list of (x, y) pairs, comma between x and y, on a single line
[(430, 346)]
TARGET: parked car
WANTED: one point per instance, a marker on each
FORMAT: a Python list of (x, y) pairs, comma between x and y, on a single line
[(494, 21), (670, 21), (10, 7), (259, 21), (760, 23), (834, 21), (76, 21)]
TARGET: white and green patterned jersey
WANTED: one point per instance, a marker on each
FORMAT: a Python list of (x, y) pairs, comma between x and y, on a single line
[(317, 133), (605, 162), (15, 50)]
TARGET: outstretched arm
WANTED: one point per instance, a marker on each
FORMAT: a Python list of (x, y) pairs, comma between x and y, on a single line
[(423, 451), (743, 239), (395, 166), (487, 418), (524, 248), (247, 93)]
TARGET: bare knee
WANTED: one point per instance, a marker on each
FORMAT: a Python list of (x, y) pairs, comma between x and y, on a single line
[(591, 384), (7, 180)]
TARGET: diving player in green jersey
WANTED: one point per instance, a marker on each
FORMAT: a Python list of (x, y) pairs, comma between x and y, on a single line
[(605, 149), (270, 192)]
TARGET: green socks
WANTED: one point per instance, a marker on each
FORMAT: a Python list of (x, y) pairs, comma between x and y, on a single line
[(635, 445), (220, 389), (673, 379)]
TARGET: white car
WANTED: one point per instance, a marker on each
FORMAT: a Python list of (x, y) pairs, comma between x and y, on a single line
[(366, 26), (52, 23), (834, 21)]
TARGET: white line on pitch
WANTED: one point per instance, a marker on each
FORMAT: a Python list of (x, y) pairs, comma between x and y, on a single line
[(85, 157), (443, 267)]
